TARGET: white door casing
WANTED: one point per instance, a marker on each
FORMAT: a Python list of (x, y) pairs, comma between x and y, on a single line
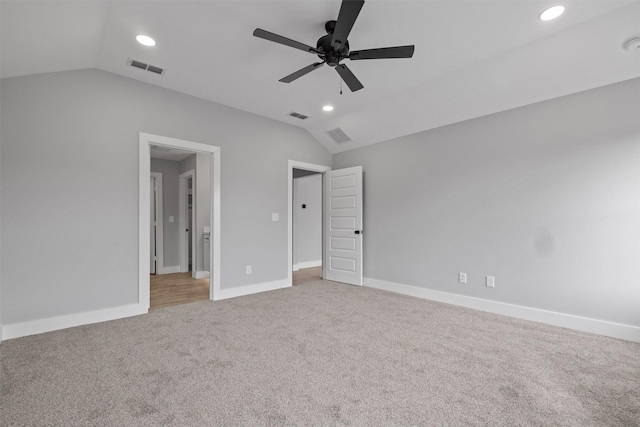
[(343, 225), (152, 223), (144, 159)]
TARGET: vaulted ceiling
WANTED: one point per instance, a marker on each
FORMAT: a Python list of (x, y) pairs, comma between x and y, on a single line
[(472, 58)]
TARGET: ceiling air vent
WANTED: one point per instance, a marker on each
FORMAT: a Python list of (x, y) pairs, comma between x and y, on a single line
[(143, 66), (339, 135), (298, 115)]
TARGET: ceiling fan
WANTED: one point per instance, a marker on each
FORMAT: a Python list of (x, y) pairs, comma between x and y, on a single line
[(334, 46)]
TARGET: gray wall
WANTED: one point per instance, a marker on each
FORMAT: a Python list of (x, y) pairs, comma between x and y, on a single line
[(69, 173), (546, 198), (307, 231), (188, 164), (170, 207)]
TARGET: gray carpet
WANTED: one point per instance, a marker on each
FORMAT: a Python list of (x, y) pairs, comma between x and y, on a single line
[(319, 354)]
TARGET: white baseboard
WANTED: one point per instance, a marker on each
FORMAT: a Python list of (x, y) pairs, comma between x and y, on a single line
[(309, 264), (199, 274), (17, 330), (250, 289), (169, 270), (295, 267), (1, 336), (601, 327)]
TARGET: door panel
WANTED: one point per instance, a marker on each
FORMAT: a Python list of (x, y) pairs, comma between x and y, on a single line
[(343, 225)]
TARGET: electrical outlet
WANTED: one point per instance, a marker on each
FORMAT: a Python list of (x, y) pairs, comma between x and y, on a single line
[(491, 281), (248, 269), (462, 277)]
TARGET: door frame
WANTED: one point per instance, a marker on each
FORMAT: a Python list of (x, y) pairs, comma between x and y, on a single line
[(183, 191), (157, 176), (293, 164), (145, 141)]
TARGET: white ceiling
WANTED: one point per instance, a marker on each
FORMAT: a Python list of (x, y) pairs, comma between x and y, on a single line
[(472, 57)]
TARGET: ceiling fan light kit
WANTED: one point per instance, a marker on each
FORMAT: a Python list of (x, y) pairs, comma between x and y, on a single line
[(333, 47)]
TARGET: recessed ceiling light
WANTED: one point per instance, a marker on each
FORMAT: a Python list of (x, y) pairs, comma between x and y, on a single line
[(327, 108), (632, 44), (552, 13), (145, 40)]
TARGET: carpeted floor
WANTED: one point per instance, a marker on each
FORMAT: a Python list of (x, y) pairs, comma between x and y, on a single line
[(319, 354)]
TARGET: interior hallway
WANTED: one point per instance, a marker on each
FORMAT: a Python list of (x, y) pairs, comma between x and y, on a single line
[(175, 289), (180, 288), (305, 275)]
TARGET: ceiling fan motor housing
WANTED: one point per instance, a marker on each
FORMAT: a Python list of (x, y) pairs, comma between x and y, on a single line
[(331, 55)]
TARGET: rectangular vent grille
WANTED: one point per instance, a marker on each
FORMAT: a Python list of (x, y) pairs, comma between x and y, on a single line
[(143, 66), (298, 115), (339, 135)]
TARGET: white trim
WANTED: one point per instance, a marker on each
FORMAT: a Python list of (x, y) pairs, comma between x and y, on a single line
[(183, 220), (144, 197), (251, 289), (1, 336), (160, 222), (40, 326), (199, 274), (309, 264), (214, 241), (145, 139), (169, 270), (293, 164), (601, 327)]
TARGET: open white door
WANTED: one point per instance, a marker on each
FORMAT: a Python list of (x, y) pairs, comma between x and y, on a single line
[(343, 225)]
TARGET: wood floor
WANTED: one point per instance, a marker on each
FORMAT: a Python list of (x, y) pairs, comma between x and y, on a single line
[(176, 289), (305, 275), (181, 288)]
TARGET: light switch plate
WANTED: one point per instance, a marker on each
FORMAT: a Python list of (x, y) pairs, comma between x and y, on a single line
[(275, 217), (170, 219)]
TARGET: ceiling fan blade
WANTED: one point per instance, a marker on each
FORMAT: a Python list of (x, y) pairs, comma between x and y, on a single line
[(349, 78), (291, 77), (346, 18), (283, 40), (383, 53)]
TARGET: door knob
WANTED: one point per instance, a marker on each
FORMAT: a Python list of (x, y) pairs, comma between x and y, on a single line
[(357, 231)]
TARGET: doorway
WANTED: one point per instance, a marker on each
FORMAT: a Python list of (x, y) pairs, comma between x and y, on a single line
[(178, 280), (299, 170), (209, 155), (341, 222), (307, 226)]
